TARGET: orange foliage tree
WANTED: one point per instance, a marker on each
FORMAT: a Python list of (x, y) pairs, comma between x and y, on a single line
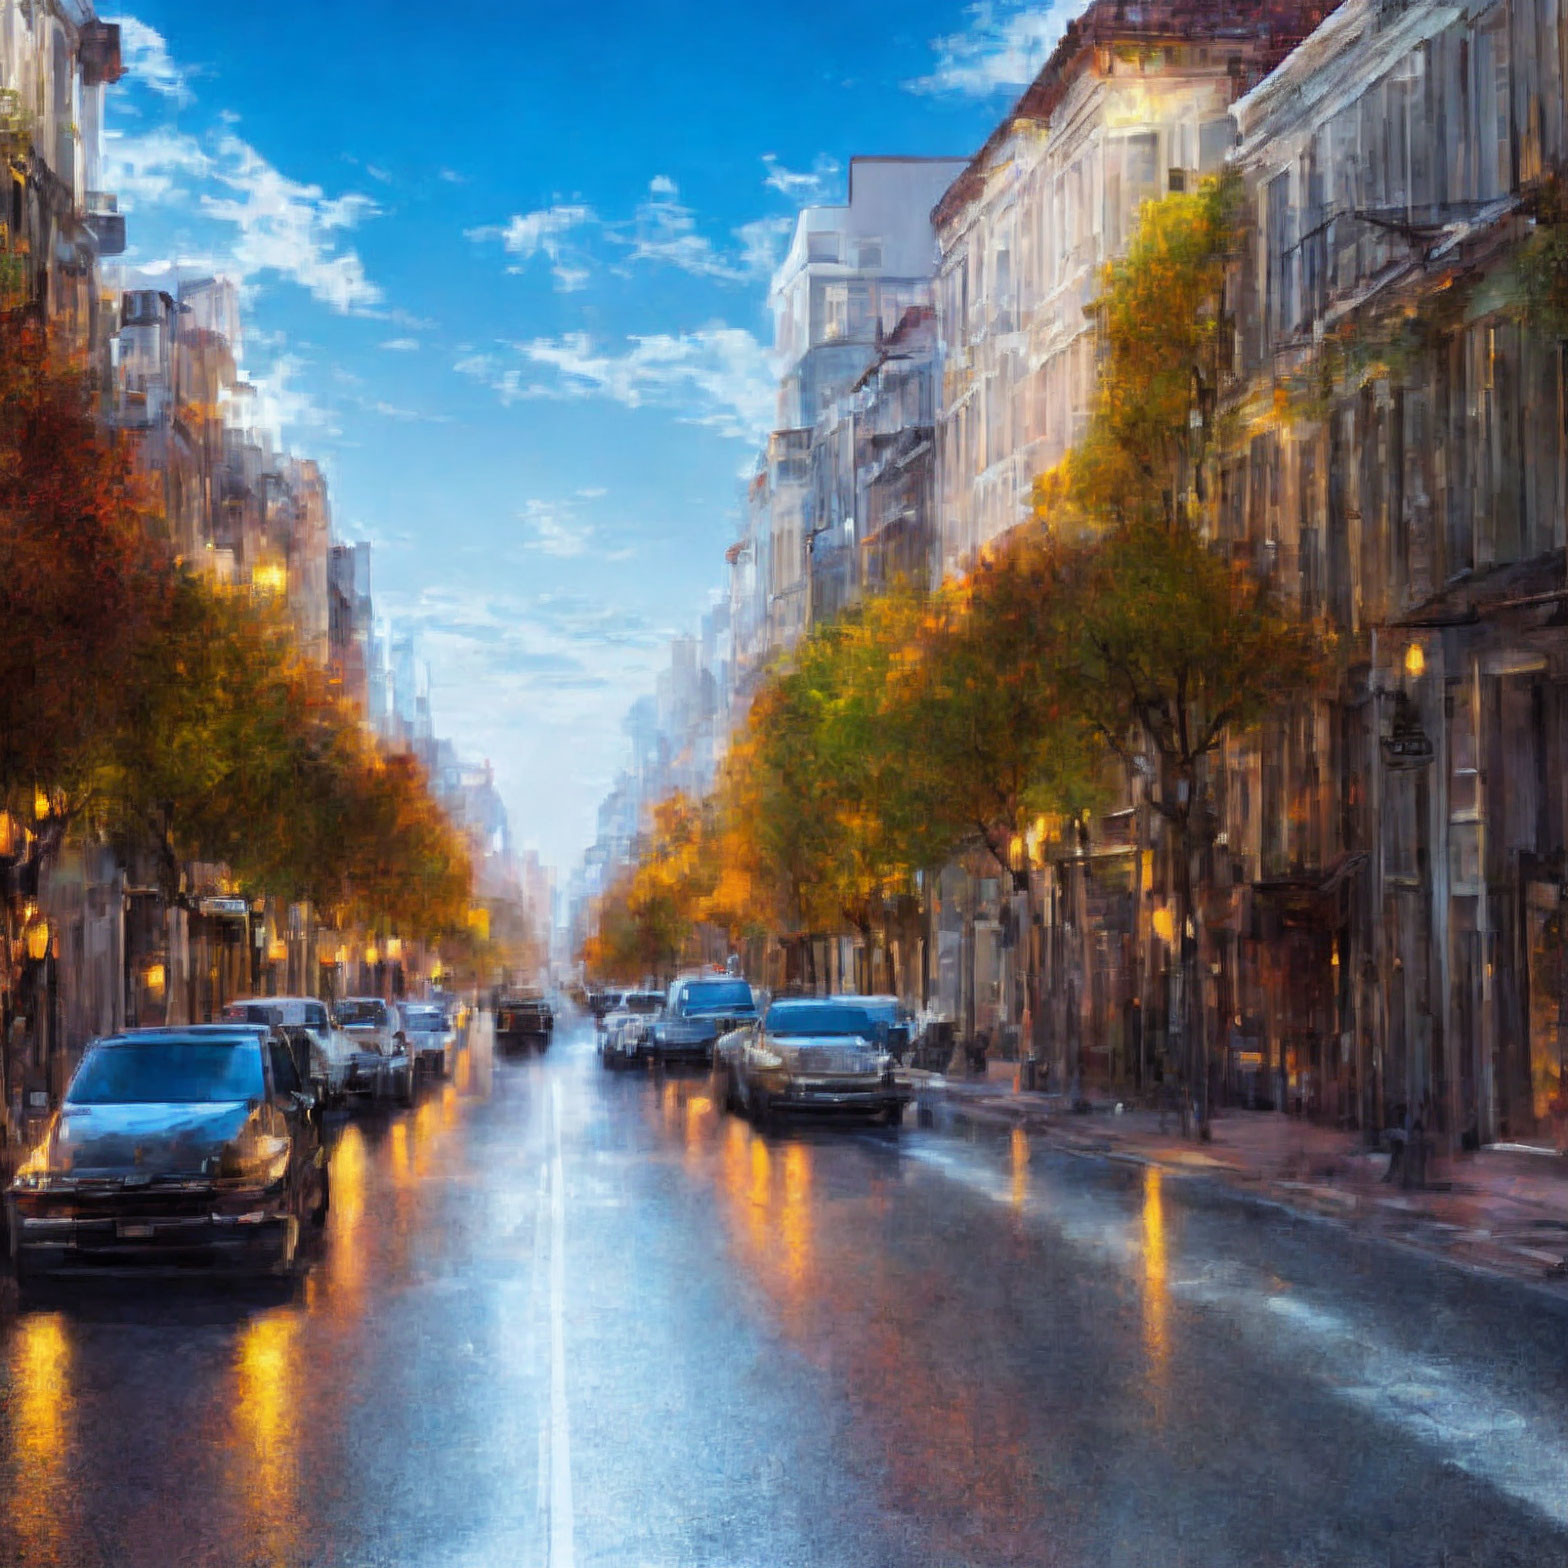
[(81, 582)]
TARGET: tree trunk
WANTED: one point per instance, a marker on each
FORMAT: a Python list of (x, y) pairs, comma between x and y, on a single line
[(1194, 1041), (1034, 990)]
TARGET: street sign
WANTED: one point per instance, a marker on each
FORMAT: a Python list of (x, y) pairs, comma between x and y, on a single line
[(225, 908)]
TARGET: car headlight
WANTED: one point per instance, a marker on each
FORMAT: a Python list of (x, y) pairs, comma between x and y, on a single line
[(767, 1059), (255, 1160)]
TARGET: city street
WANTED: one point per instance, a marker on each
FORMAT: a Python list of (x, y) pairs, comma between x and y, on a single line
[(561, 1316)]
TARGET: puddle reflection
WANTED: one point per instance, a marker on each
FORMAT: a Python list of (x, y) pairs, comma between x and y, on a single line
[(38, 1500), (1156, 1290), (267, 1399)]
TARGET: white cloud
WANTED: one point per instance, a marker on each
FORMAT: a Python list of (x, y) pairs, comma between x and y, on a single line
[(290, 228), (1001, 49), (283, 406), (763, 243), (153, 167), (544, 232), (802, 189), (554, 530), (278, 225), (146, 58), (662, 231), (719, 376), (665, 230), (401, 345)]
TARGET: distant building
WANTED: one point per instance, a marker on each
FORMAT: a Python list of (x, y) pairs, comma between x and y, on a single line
[(349, 621), (851, 274)]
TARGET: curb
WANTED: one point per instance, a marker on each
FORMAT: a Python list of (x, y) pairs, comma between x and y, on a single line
[(1543, 1273)]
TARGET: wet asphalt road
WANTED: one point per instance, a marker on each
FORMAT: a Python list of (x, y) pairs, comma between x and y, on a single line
[(566, 1317)]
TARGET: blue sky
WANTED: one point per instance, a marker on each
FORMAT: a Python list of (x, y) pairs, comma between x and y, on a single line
[(505, 273)]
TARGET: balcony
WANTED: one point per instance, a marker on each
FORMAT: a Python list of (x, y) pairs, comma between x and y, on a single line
[(106, 223)]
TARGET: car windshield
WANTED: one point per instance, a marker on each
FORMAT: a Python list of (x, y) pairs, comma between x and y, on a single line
[(169, 1072), (425, 1020), (815, 1018), (644, 1002), (721, 993), (362, 1015)]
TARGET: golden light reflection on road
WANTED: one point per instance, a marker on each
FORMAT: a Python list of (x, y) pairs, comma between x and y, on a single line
[(266, 1402), (699, 1124), (1156, 1289), (427, 1127), (397, 1153), (1020, 1168), (795, 1221), (345, 1261), (37, 1504)]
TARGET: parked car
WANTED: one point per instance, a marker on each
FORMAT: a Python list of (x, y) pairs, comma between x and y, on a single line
[(700, 1008), (523, 1019), (814, 1054), (178, 1146), (627, 1030), (309, 1024), (432, 1039), (380, 1067)]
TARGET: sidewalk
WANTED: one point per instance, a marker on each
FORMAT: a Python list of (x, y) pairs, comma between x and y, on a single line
[(1502, 1211)]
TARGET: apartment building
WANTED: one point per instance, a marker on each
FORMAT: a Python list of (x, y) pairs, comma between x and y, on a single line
[(1132, 104)]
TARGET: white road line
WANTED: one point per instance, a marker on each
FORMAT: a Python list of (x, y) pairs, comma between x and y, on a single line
[(562, 1553), (536, 1306)]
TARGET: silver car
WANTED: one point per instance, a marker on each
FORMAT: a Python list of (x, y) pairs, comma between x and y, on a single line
[(432, 1040), (307, 1021), (823, 1055), (380, 1066)]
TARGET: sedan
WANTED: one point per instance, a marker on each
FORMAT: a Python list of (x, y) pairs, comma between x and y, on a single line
[(380, 1064), (173, 1146), (431, 1039), (809, 1054), (626, 1031)]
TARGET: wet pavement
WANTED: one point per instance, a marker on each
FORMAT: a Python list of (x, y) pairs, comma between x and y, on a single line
[(564, 1317)]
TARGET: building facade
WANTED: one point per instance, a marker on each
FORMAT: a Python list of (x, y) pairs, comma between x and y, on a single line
[(1132, 104)]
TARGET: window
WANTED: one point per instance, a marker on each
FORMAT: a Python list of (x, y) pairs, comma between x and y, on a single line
[(168, 1072), (868, 255), (285, 1075), (823, 246), (1281, 307), (835, 311), (1215, 140)]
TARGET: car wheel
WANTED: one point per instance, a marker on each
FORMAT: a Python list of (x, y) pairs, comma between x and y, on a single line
[(318, 1212), (18, 1258), (288, 1251)]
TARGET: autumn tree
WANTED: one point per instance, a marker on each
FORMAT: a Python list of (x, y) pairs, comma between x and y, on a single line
[(232, 750), (81, 580), (648, 914), (1165, 338), (999, 742), (1171, 647)]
